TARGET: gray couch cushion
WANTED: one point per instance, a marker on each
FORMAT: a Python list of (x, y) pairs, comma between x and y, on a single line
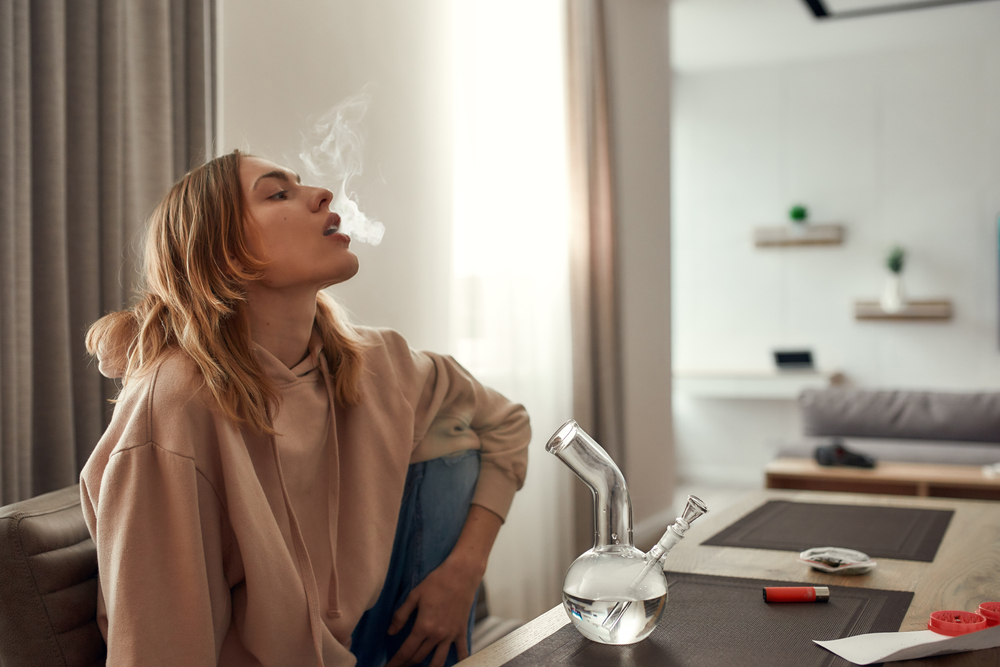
[(915, 415)]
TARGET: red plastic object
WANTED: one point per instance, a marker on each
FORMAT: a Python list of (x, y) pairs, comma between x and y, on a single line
[(796, 594), (953, 623), (991, 612)]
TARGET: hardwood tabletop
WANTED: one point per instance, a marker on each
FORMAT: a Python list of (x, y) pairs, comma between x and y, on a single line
[(965, 571)]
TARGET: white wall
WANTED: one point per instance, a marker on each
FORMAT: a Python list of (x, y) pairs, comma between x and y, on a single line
[(901, 147), (284, 62)]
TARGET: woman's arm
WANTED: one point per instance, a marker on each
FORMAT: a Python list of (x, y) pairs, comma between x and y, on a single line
[(454, 412), (158, 528), (443, 600)]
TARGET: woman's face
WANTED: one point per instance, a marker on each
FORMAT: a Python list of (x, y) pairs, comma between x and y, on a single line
[(291, 229)]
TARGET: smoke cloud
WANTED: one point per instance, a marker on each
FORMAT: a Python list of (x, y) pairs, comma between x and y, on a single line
[(331, 153)]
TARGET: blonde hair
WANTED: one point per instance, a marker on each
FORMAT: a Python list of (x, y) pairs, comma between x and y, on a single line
[(193, 298)]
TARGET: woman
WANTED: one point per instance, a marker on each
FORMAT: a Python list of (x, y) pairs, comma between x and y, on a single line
[(244, 499)]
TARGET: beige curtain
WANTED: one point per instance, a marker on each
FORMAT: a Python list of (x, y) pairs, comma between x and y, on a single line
[(103, 104), (597, 375)]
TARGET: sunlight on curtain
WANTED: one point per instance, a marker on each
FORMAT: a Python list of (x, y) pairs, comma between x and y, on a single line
[(510, 322)]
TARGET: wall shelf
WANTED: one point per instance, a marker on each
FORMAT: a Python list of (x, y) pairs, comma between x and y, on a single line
[(913, 311), (780, 385), (793, 235)]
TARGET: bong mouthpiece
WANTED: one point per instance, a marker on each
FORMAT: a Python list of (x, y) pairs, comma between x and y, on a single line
[(588, 460)]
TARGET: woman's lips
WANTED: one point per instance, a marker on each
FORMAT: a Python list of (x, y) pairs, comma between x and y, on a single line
[(332, 224)]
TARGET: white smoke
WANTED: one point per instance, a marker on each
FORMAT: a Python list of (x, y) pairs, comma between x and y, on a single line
[(331, 153)]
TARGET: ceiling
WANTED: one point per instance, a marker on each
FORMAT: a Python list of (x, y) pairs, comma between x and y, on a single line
[(722, 34)]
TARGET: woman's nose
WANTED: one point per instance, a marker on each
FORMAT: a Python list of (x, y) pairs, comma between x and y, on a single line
[(322, 198)]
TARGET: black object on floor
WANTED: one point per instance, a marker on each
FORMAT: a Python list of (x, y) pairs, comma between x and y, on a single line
[(711, 621), (905, 533), (838, 455)]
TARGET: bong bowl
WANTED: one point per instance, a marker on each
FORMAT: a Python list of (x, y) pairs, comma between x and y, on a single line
[(599, 581)]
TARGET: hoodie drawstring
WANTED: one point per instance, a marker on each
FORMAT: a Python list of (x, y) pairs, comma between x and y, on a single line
[(333, 598), (305, 566)]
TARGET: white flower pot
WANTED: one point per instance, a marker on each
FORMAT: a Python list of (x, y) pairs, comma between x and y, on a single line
[(893, 300)]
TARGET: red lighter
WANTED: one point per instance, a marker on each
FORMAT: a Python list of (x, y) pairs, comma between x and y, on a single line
[(796, 594)]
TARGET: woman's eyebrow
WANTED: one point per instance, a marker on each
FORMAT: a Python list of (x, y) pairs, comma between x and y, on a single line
[(277, 173)]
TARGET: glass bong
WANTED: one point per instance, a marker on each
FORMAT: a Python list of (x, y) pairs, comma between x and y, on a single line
[(614, 593)]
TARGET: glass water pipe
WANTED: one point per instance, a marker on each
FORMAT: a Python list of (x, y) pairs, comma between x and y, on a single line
[(614, 593)]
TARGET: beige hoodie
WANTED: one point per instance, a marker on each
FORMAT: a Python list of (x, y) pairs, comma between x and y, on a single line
[(218, 545)]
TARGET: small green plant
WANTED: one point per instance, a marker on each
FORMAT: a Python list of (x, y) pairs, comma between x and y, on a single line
[(798, 213), (895, 259)]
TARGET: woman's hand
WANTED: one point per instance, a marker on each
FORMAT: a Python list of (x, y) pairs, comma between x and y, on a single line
[(443, 600)]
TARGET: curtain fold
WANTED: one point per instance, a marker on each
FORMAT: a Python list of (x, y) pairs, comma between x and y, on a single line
[(594, 283), (104, 104)]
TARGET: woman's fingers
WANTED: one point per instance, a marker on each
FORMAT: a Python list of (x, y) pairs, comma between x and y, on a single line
[(406, 653), (425, 634), (403, 613), (442, 602), (441, 654), (429, 631), (413, 651), (463, 647)]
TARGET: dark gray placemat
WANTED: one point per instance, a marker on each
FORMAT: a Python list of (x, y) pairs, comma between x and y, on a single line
[(713, 621), (904, 533)]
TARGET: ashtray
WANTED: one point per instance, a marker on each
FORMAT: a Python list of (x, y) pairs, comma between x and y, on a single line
[(836, 560)]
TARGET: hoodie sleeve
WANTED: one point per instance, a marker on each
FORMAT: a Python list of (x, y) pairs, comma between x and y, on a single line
[(159, 527), (453, 412)]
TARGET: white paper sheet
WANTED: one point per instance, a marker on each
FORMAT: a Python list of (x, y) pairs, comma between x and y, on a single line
[(889, 646)]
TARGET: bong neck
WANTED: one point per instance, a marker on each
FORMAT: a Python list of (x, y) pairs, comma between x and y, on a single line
[(612, 505)]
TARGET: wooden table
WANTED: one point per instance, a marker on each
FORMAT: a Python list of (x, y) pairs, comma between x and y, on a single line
[(965, 572), (896, 478)]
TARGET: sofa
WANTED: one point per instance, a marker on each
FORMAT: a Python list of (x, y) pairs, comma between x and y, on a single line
[(922, 443), (901, 425)]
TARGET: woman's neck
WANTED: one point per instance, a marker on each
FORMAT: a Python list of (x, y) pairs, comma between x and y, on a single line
[(280, 323)]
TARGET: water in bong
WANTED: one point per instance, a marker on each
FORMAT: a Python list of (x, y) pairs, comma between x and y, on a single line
[(590, 594)]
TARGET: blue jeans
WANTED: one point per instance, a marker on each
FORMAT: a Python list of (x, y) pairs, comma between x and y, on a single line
[(435, 505)]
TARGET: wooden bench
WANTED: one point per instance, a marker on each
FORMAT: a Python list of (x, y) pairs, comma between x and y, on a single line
[(887, 477)]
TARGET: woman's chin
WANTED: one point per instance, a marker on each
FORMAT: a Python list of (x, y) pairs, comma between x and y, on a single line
[(344, 275)]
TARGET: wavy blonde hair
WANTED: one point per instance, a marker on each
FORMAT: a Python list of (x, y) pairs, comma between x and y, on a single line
[(193, 298)]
